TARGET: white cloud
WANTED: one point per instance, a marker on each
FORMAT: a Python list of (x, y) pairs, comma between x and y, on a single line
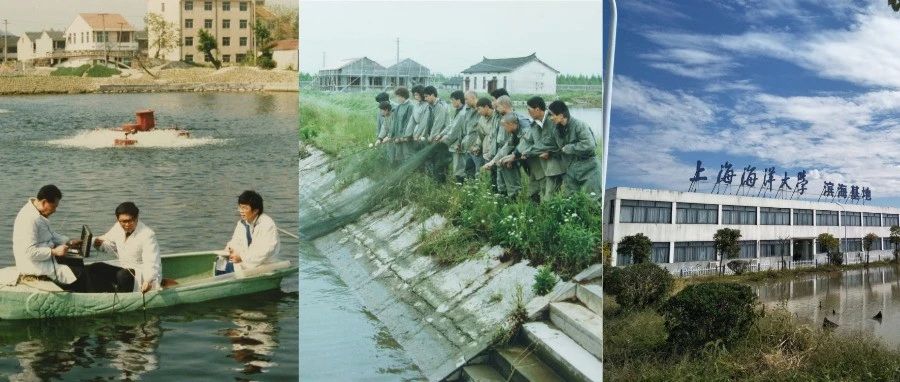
[(850, 139)]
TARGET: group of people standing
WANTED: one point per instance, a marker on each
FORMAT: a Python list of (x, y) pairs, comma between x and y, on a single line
[(43, 254), (555, 150)]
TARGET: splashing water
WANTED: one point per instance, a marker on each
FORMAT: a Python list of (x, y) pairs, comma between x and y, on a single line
[(4, 111), (103, 138)]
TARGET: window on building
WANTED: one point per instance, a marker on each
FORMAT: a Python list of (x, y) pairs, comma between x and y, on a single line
[(695, 213), (226, 41), (188, 5), (871, 219), (876, 245), (643, 211), (774, 216), (242, 6), (695, 251), (748, 249), (774, 248), (826, 218), (189, 58), (188, 41), (803, 217), (242, 24), (739, 215), (242, 41), (851, 219), (226, 23), (851, 245), (891, 220), (207, 23), (226, 58), (226, 5), (163, 8), (660, 253), (239, 57), (207, 5), (188, 23)]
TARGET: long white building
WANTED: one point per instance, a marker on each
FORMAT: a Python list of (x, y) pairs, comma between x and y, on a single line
[(681, 225)]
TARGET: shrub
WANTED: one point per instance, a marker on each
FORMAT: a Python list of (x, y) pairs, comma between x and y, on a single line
[(835, 258), (638, 247), (450, 245), (544, 281), (576, 248), (612, 280), (74, 72), (643, 285), (101, 71), (265, 62), (739, 266), (708, 312)]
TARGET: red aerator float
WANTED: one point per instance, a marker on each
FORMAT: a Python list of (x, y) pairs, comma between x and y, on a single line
[(144, 122)]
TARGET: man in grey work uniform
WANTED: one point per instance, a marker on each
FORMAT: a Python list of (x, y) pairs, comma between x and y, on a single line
[(578, 146)]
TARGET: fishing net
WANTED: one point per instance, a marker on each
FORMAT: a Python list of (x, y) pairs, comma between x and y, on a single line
[(363, 186)]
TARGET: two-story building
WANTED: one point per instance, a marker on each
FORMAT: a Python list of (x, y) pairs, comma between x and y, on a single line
[(93, 36)]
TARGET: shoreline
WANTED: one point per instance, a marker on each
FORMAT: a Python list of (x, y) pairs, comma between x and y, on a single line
[(228, 79)]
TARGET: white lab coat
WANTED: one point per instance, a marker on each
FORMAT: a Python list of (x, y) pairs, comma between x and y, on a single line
[(265, 243), (139, 252), (32, 240)]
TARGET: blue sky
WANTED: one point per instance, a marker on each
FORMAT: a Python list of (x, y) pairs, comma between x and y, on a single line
[(794, 84)]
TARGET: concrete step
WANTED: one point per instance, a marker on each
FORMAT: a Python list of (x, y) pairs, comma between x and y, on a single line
[(518, 364), (563, 353), (580, 324), (481, 373), (591, 295)]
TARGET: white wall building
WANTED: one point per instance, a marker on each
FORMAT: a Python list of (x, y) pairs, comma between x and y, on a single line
[(681, 226), (26, 47), (286, 55), (518, 75), (100, 32)]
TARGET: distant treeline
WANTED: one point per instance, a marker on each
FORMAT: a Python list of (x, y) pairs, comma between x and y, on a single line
[(570, 79)]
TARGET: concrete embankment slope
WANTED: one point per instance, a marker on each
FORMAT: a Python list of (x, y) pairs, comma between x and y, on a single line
[(441, 315)]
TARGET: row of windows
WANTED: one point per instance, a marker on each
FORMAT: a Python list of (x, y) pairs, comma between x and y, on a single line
[(96, 37), (243, 6), (208, 23), (225, 57), (226, 41), (706, 250), (644, 211)]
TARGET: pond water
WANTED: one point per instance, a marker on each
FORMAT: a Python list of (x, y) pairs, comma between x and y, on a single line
[(187, 192), (850, 299)]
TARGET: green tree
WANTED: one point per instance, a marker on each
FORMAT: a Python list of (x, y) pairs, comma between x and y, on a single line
[(831, 245), (868, 240), (207, 43), (895, 4), (263, 38), (727, 247), (895, 240), (638, 247), (165, 35)]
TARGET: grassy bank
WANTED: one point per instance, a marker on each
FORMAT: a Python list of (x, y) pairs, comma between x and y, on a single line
[(778, 348), (563, 231), (773, 275)]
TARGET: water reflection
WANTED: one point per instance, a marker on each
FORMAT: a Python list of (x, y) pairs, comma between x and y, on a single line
[(252, 340), (47, 349), (130, 346), (850, 298)]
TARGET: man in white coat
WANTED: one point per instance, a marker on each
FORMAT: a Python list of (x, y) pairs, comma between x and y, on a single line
[(255, 239), (135, 245), (38, 250)]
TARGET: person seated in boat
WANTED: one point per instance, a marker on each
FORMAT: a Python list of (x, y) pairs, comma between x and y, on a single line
[(135, 245), (255, 239), (38, 250)]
